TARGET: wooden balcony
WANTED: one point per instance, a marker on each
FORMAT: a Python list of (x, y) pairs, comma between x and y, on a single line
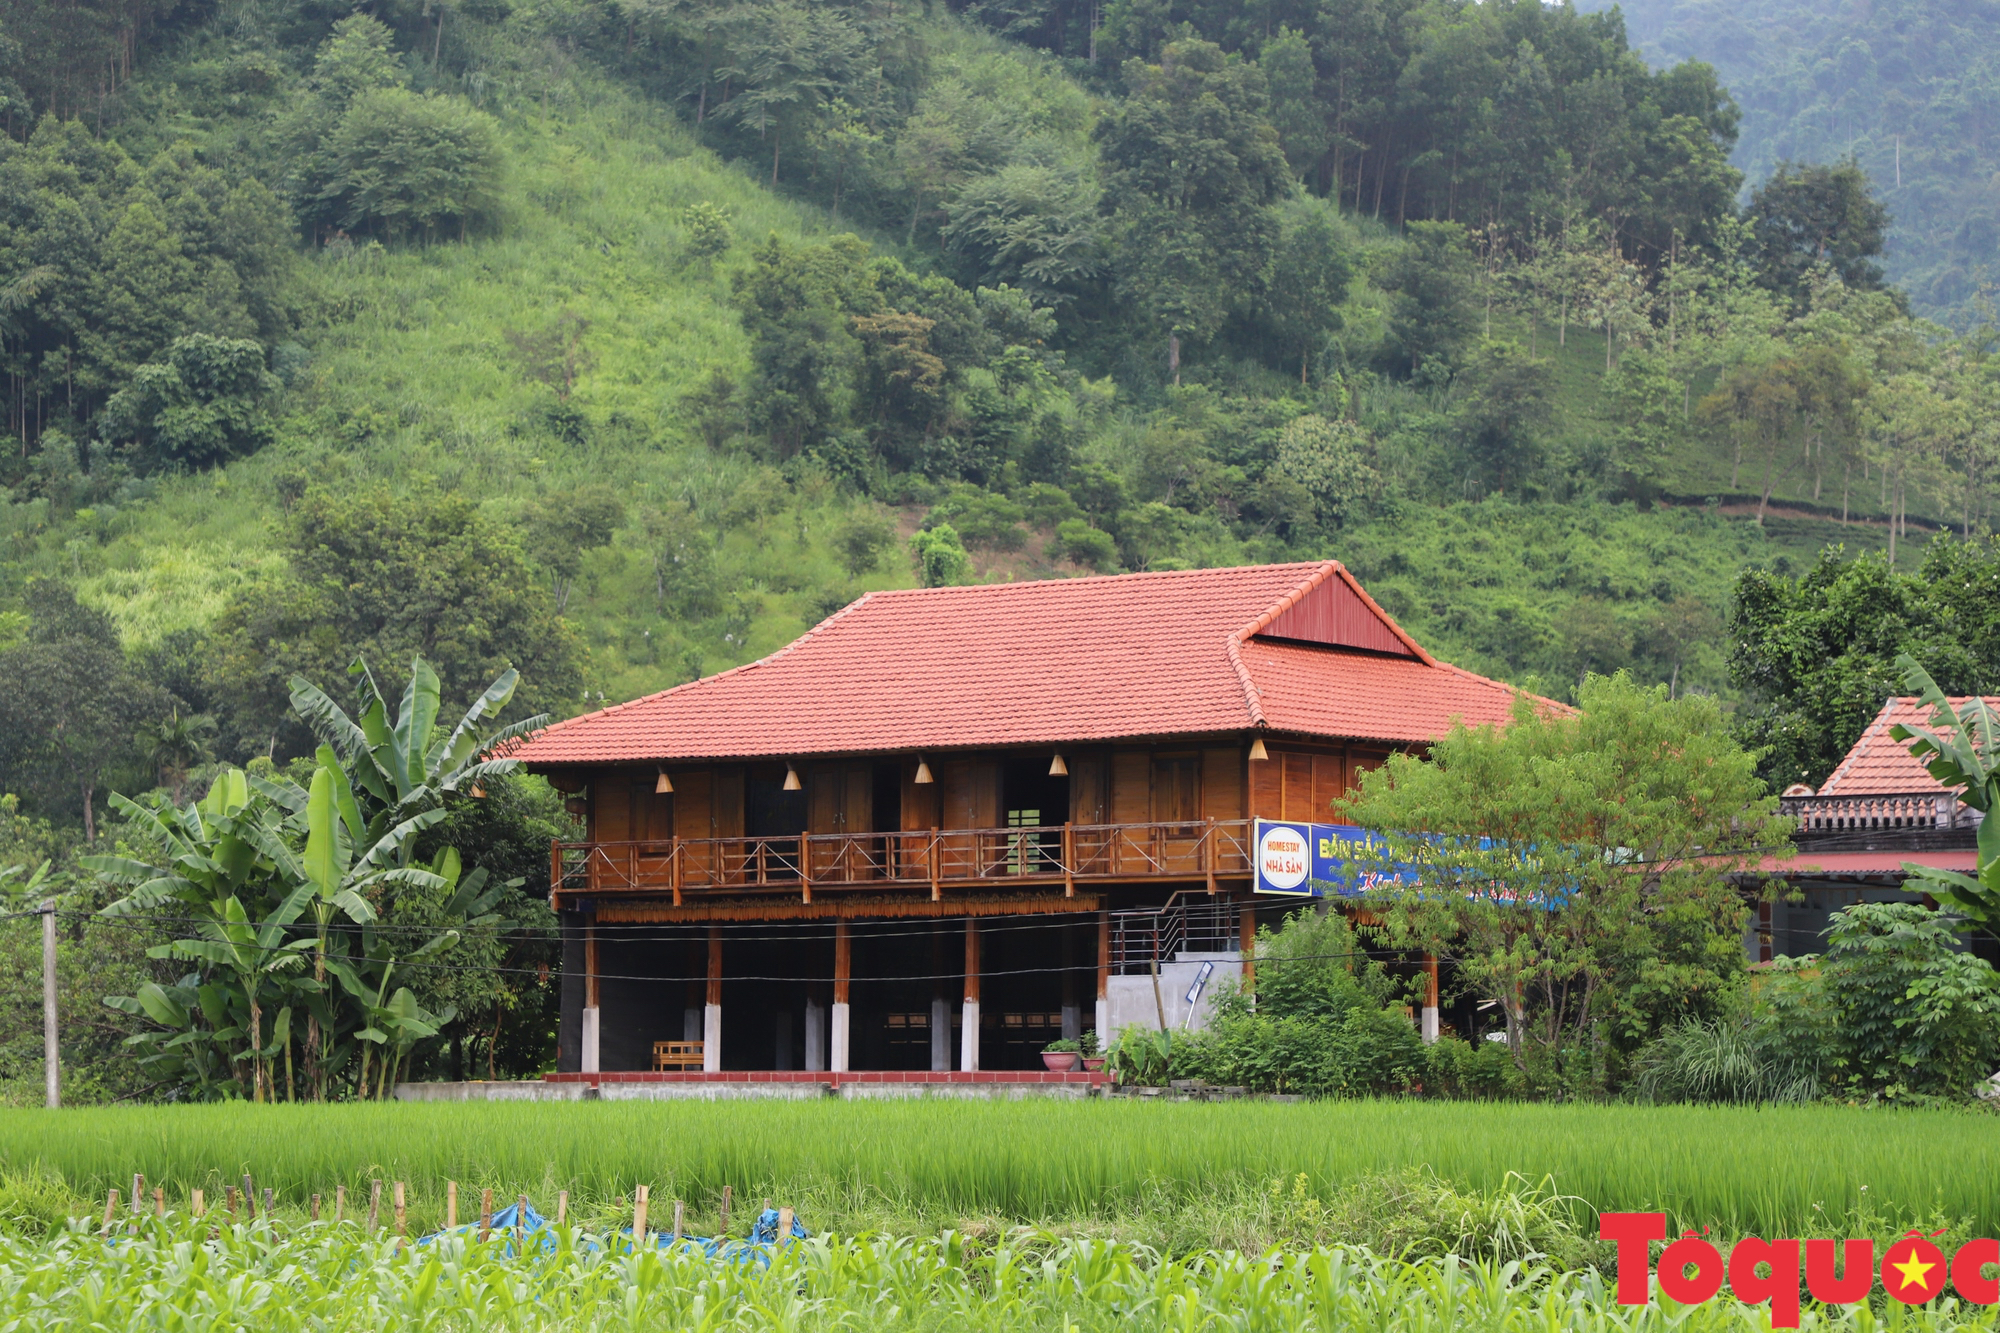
[(928, 862)]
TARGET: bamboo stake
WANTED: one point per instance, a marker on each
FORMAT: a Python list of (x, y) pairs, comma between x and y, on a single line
[(562, 1207), (725, 1210), (315, 1208), (197, 1202), (784, 1224), (249, 1198), (159, 1201), (400, 1215), (110, 1207), (138, 1192), (339, 1203), (450, 1204), (229, 1202), (520, 1223), (374, 1204), (680, 1220), (267, 1203), (485, 1214), (639, 1217)]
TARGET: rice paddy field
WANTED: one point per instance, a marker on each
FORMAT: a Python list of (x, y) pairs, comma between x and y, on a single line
[(1739, 1170), (952, 1215)]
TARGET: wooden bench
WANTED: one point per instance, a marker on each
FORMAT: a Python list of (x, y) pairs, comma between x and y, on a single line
[(677, 1055)]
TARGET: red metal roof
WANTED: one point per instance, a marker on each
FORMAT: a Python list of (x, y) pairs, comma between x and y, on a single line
[(1880, 766), (1059, 661)]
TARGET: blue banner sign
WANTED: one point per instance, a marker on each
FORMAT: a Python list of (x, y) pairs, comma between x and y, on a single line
[(1301, 860)]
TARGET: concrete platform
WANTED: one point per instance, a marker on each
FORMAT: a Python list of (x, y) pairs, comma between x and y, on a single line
[(766, 1085)]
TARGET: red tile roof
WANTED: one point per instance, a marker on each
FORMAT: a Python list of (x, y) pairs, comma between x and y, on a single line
[(1060, 661), (1880, 766)]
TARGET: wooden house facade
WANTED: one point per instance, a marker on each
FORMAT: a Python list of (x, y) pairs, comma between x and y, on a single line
[(935, 830)]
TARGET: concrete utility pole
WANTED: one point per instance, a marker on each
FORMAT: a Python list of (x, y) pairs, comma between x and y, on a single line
[(51, 1045)]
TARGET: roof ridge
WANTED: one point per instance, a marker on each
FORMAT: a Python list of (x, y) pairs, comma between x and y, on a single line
[(1129, 575)]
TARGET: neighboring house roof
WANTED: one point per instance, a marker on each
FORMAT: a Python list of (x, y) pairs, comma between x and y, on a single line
[(1297, 648), (1879, 765)]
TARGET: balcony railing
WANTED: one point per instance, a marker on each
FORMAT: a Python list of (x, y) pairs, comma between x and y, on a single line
[(1833, 814), (931, 860)]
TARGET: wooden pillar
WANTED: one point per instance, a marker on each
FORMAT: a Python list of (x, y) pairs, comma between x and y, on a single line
[(1249, 935), (940, 1005), (1430, 1014), (588, 1056), (843, 972), (711, 1011), (968, 1039), (1104, 1032)]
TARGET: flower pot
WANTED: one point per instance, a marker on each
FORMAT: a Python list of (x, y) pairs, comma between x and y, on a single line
[(1060, 1062), (1093, 1063)]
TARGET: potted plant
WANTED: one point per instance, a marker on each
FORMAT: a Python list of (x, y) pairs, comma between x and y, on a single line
[(1093, 1054), (1063, 1055)]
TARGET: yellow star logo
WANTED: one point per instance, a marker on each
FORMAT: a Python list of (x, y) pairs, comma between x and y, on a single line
[(1913, 1269)]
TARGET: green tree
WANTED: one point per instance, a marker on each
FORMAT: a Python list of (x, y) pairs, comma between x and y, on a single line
[(1807, 215), (1914, 1013), (68, 718), (1505, 406), (1311, 268), (1436, 286), (566, 526), (407, 166), (1192, 169), (1553, 849), (1817, 652), (203, 404), (942, 561), (1329, 459), (862, 541), (373, 574)]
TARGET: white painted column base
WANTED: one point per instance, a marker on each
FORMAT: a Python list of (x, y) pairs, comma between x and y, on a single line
[(839, 1043), (815, 1037), (940, 1036), (588, 1056), (968, 1039), (711, 1038), (1104, 1032), (1430, 1021)]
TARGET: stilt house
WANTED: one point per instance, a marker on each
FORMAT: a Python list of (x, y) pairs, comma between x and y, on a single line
[(949, 825)]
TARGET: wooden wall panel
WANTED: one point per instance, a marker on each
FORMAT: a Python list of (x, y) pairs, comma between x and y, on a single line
[(728, 798), (971, 793), (1222, 784), (694, 816), (611, 806), (826, 797), (1267, 788), (1088, 774), (1329, 784), (1298, 784), (1131, 787)]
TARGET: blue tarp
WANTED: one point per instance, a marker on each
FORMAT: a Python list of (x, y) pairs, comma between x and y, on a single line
[(538, 1234)]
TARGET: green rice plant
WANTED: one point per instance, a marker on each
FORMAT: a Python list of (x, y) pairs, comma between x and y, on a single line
[(1740, 1170), (185, 1272)]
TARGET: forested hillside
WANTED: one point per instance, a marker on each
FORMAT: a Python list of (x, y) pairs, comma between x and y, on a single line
[(1908, 89), (619, 341)]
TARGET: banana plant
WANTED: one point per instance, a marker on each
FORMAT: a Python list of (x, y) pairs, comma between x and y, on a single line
[(402, 762), (1961, 749), (253, 953)]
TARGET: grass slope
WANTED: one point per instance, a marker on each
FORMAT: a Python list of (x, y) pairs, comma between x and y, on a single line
[(414, 375)]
